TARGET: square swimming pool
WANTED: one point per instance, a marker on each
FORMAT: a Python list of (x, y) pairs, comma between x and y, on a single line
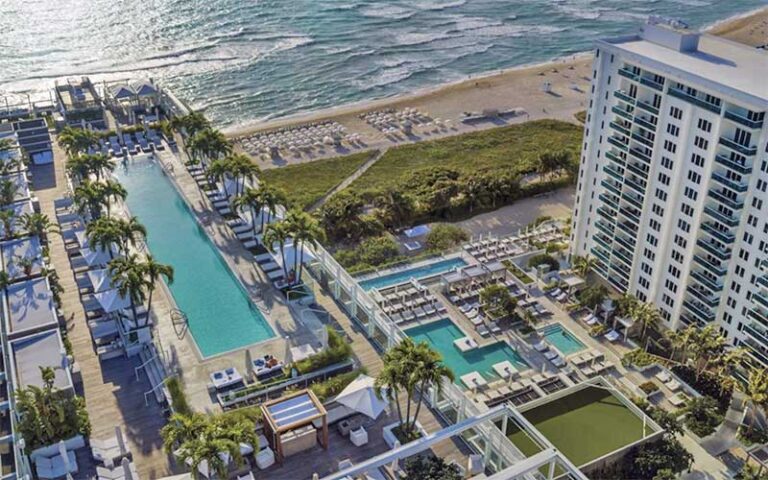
[(401, 276), (441, 334), (562, 339)]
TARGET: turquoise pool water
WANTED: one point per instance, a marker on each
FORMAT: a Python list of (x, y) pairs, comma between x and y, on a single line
[(562, 339), (401, 276), (441, 334), (221, 317)]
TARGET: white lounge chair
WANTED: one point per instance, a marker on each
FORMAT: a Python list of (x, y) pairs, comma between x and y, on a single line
[(265, 458), (612, 336), (541, 346)]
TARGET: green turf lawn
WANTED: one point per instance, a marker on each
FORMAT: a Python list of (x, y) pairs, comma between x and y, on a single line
[(514, 148), (583, 426), (305, 183)]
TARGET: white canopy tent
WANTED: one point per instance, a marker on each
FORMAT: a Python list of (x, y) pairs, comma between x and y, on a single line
[(112, 301), (360, 395)]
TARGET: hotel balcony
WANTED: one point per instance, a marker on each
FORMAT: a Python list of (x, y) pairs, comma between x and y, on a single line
[(636, 184), (618, 283), (634, 200), (644, 140), (606, 213), (721, 217), (609, 200), (624, 96), (761, 298), (615, 158), (614, 172), (743, 169), (742, 120), (640, 155), (601, 255), (757, 332), (725, 237), (628, 228), (643, 105), (683, 95), (625, 113), (699, 310), (603, 240), (639, 169), (615, 189), (714, 286), (624, 129), (763, 281), (628, 244), (649, 82), (710, 266), (733, 204), (629, 73), (619, 143), (624, 256), (721, 253), (703, 296), (738, 187), (634, 217), (738, 147), (604, 227), (645, 124), (756, 348)]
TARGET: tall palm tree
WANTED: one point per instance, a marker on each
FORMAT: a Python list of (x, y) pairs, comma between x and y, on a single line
[(271, 199), (8, 191), (104, 233), (218, 171), (756, 391), (583, 265), (277, 233), (129, 277), (305, 230), (242, 168), (431, 371), (112, 191), (249, 200), (90, 198), (76, 141), (210, 144), (7, 220), (131, 232), (77, 167), (38, 224), (647, 316), (99, 164), (153, 271)]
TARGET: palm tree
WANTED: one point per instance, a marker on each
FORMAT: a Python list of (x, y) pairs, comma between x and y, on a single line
[(218, 171), (7, 220), (77, 140), (751, 472), (756, 391), (5, 279), (38, 224), (583, 265), (241, 168), (431, 371), (271, 198), (305, 229), (250, 200), (8, 191), (153, 271), (112, 191), (129, 277), (78, 168), (210, 144), (99, 164), (90, 198), (103, 233), (647, 316), (131, 232), (277, 233), (396, 206)]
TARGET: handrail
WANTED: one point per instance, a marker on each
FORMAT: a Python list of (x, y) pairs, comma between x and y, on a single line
[(143, 365), (152, 390)]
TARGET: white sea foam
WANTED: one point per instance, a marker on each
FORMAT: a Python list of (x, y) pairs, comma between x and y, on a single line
[(438, 5), (392, 12)]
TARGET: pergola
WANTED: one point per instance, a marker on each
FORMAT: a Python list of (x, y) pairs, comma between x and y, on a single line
[(290, 413)]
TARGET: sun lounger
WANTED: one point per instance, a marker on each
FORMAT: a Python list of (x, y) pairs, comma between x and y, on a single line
[(663, 376), (494, 327), (562, 297), (550, 355), (558, 362), (541, 346), (538, 378), (612, 336), (483, 330), (266, 367), (555, 292), (673, 385), (678, 400), (226, 378), (588, 371)]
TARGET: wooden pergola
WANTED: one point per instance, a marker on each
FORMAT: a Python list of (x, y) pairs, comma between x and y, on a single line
[(290, 413)]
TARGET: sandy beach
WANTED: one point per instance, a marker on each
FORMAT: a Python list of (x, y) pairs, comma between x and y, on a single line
[(519, 87)]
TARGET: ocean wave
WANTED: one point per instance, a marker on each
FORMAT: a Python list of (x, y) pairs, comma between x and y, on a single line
[(391, 12), (591, 13), (415, 38), (438, 5)]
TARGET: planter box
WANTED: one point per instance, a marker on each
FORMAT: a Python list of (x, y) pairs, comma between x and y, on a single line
[(390, 437), (642, 369)]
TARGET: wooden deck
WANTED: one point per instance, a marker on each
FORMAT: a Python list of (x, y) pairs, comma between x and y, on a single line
[(113, 395)]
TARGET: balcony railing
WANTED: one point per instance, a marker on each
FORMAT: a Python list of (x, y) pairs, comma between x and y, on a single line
[(733, 165), (628, 244), (644, 140), (648, 82), (723, 254), (715, 270), (623, 113), (739, 187), (725, 237), (701, 295), (613, 172), (702, 312), (620, 128), (742, 149), (637, 186), (627, 73), (740, 119), (605, 228), (628, 228), (714, 286), (630, 215), (615, 158), (608, 200), (616, 142), (632, 200), (647, 107), (624, 96), (640, 155), (641, 170), (623, 257), (681, 94), (645, 123), (729, 202), (615, 189)]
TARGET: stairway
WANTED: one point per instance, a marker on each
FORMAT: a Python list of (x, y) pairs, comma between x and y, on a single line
[(153, 367)]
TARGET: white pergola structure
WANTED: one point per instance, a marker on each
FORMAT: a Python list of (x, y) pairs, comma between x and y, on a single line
[(548, 457)]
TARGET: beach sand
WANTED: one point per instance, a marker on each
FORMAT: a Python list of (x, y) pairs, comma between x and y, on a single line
[(519, 87)]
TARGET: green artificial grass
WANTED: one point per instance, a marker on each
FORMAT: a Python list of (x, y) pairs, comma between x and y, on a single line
[(306, 183), (583, 426), (512, 149)]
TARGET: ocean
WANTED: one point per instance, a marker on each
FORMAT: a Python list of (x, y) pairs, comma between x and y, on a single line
[(244, 60)]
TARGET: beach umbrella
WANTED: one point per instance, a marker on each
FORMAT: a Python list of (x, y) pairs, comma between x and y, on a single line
[(360, 395), (111, 301), (100, 279), (94, 257)]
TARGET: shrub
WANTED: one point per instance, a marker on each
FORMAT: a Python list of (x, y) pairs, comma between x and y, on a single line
[(338, 350), (178, 398), (592, 296), (648, 387), (639, 358), (708, 385), (445, 236), (430, 467), (666, 420), (597, 330), (371, 252), (544, 259), (519, 274), (702, 416), (497, 301), (334, 385)]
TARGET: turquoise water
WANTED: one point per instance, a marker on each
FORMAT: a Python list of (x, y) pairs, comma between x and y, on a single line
[(562, 339), (441, 334), (246, 60), (221, 317), (428, 270)]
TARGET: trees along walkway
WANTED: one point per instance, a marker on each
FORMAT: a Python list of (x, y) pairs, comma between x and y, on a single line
[(375, 157)]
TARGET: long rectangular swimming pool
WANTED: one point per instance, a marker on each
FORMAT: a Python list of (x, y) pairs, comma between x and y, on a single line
[(441, 335), (220, 314), (424, 271)]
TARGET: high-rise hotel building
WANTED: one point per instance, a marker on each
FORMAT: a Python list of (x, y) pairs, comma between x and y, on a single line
[(671, 200)]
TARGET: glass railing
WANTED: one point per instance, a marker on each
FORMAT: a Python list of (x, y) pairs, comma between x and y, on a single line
[(681, 94), (644, 140), (608, 200), (640, 155), (615, 189), (648, 82), (715, 270), (763, 281), (722, 254), (761, 298), (733, 165), (739, 187), (647, 107), (725, 237), (601, 255), (713, 285), (721, 217), (603, 242), (628, 228), (758, 333), (632, 216), (645, 123), (618, 143), (635, 185), (623, 113), (620, 128), (613, 157), (732, 203), (709, 300), (743, 120), (627, 73), (641, 170), (621, 95), (702, 312), (632, 200), (759, 315), (612, 171), (742, 149), (629, 245), (605, 228)]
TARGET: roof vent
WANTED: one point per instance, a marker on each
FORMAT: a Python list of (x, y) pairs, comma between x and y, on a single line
[(670, 33)]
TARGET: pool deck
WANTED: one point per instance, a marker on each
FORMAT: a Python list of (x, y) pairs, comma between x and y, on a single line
[(194, 370)]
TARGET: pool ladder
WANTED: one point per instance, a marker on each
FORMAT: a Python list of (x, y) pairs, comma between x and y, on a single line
[(180, 322)]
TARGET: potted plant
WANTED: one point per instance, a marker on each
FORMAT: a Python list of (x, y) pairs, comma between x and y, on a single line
[(648, 388), (26, 263)]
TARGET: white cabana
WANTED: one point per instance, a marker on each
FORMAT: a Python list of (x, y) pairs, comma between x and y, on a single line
[(95, 257), (360, 395), (100, 280), (112, 301)]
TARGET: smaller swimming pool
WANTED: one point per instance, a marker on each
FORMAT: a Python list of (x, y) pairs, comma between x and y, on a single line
[(441, 334), (424, 271), (562, 339)]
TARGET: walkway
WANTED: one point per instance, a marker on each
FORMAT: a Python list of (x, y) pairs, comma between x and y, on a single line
[(113, 395), (375, 157)]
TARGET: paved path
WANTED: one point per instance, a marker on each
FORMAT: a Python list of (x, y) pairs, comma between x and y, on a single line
[(113, 395), (375, 157)]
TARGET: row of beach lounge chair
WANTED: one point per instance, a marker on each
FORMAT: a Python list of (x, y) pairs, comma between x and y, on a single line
[(522, 390), (129, 143), (410, 302)]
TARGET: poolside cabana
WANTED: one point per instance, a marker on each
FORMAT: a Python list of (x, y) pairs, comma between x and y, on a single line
[(28, 308), (30, 354), (289, 423), (13, 251), (19, 209), (19, 179), (100, 279)]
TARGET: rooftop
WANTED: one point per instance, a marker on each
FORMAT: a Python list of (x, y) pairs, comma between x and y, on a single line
[(14, 250), (28, 307), (711, 59), (45, 349)]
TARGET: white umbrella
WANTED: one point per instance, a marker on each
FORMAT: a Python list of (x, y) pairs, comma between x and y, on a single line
[(100, 279), (112, 301), (360, 395), (95, 257)]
